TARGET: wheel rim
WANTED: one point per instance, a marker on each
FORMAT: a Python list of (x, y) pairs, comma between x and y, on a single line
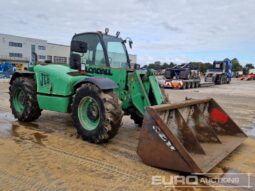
[(19, 100), (88, 113)]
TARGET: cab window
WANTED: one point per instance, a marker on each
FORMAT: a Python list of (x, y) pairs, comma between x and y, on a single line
[(116, 52), (95, 53)]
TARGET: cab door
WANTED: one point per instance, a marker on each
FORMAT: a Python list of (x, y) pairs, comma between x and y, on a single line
[(96, 63)]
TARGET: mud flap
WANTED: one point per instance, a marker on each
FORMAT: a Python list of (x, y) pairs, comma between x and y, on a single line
[(192, 136)]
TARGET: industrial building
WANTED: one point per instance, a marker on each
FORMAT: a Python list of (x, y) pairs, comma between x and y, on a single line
[(57, 53), (18, 50)]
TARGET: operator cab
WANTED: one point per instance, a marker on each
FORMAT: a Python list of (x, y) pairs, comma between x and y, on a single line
[(96, 48)]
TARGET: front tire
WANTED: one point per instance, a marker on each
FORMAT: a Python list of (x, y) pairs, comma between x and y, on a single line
[(23, 99), (97, 115)]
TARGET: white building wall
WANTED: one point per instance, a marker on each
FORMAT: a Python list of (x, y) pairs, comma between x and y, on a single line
[(25, 49), (57, 50)]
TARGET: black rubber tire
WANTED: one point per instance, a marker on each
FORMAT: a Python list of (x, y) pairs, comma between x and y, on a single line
[(191, 85), (110, 111), (137, 119), (31, 110), (187, 85)]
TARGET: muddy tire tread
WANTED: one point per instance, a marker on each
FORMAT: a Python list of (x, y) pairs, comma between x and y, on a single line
[(31, 110), (113, 114)]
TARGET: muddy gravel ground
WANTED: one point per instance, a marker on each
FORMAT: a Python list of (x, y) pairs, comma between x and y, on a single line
[(47, 155)]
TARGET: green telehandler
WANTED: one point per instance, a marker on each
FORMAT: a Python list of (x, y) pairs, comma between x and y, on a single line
[(98, 87)]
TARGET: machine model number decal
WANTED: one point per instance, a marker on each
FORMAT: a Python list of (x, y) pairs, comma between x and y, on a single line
[(163, 137), (45, 79), (104, 71)]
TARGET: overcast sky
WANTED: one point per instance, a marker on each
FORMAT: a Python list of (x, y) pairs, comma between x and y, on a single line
[(165, 30)]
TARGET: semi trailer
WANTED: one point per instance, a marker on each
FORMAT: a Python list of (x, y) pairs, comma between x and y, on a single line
[(183, 76)]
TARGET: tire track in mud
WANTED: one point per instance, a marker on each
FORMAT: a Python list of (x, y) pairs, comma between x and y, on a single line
[(117, 149), (31, 161), (67, 130), (127, 177), (20, 182), (36, 157), (128, 149), (36, 164), (123, 142), (98, 165)]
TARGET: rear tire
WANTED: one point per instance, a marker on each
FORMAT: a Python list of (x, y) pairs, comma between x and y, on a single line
[(97, 115), (23, 99)]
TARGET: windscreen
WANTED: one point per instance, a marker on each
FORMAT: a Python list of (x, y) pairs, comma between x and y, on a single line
[(116, 51)]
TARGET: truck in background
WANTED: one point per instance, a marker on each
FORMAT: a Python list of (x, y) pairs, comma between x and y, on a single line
[(183, 76), (221, 72)]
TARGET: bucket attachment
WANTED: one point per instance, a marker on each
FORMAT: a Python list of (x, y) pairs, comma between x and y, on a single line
[(192, 136)]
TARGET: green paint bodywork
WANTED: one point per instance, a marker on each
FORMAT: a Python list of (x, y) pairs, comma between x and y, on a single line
[(54, 103), (55, 87), (54, 79)]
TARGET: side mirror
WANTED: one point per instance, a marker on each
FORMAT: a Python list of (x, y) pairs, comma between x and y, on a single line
[(137, 66), (75, 61), (79, 46)]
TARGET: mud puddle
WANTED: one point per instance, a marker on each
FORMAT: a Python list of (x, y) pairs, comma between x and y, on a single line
[(6, 127), (250, 131), (5, 130), (39, 137), (9, 128)]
